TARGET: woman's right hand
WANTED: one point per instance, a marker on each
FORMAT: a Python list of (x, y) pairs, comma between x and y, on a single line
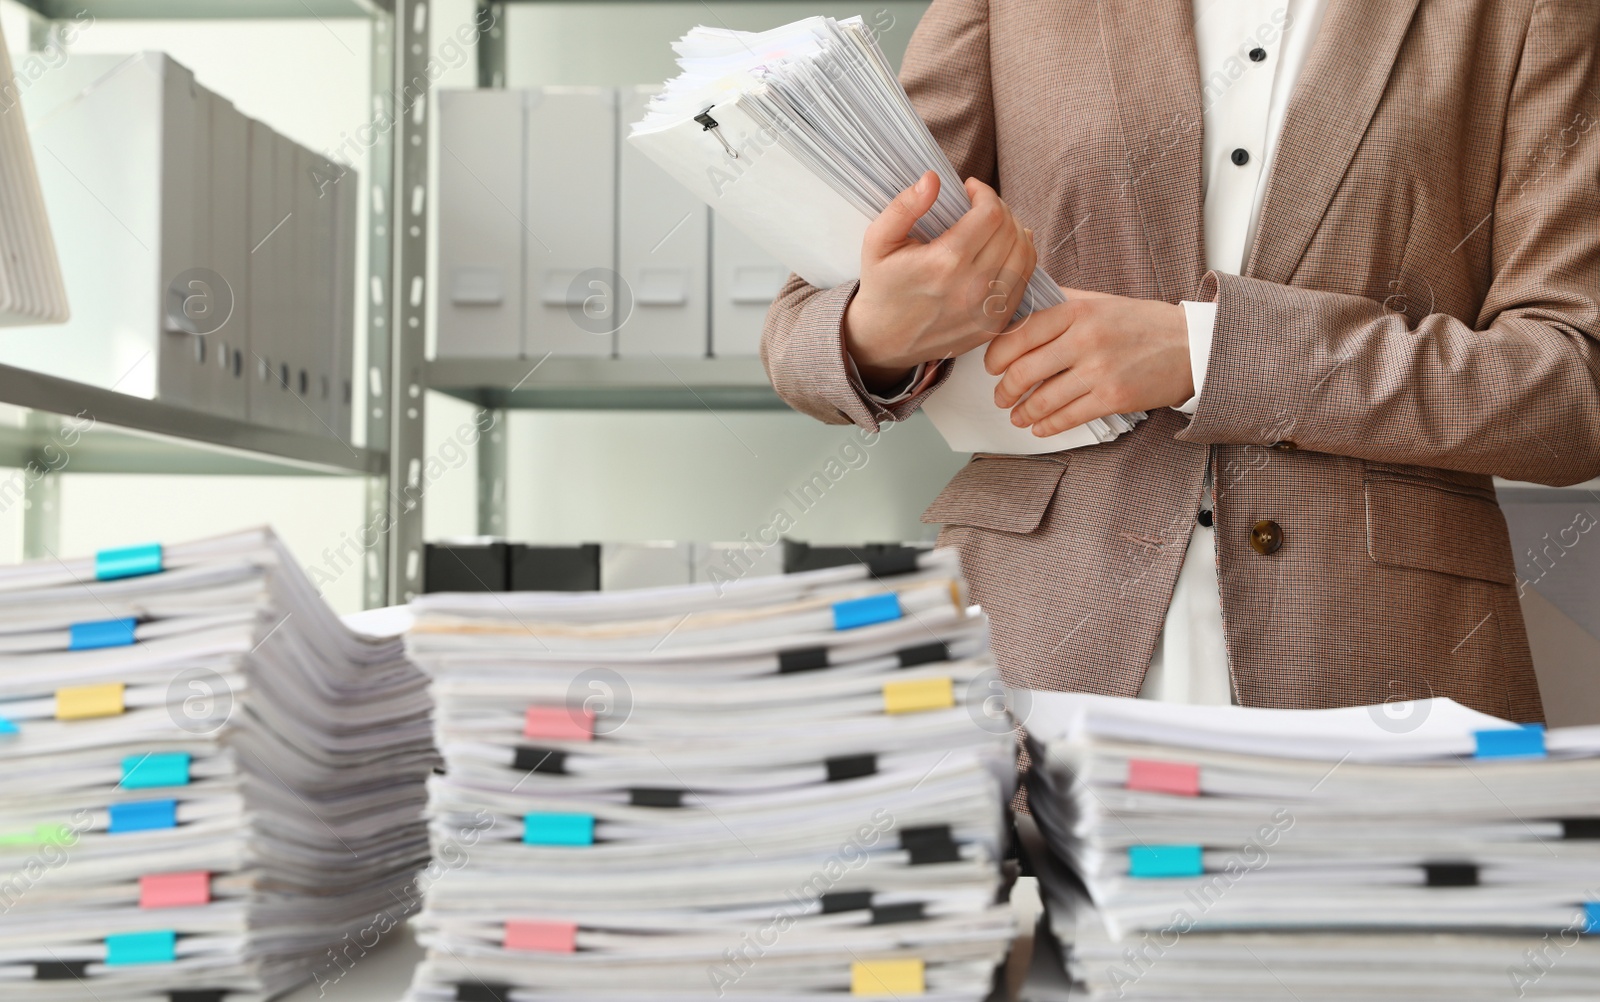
[(919, 302)]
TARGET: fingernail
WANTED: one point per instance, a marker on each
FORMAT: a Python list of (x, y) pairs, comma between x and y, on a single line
[(922, 185)]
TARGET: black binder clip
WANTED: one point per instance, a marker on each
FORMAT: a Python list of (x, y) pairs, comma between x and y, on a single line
[(709, 124)]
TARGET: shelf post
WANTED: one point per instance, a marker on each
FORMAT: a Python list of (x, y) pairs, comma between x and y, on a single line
[(380, 179), (492, 45), (492, 473), (409, 302)]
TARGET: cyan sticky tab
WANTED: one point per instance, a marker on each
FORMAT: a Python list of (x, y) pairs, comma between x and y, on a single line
[(865, 611), (142, 948), (1591, 915), (1165, 861), (127, 561), (143, 816), (101, 633), (7, 727), (143, 772), (1526, 741), (558, 829)]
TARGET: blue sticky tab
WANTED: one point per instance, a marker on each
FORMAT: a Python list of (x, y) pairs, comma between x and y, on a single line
[(1516, 742), (143, 816), (7, 727), (1165, 861), (558, 829), (127, 561), (1591, 914), (141, 948), (142, 772), (866, 611), (102, 633)]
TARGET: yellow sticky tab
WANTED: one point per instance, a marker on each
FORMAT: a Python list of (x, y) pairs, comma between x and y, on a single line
[(887, 978), (918, 694), (83, 701)]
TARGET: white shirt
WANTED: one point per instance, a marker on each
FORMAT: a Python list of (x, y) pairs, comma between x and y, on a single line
[(1244, 100)]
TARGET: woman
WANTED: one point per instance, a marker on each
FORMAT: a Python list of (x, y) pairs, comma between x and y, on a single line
[(1346, 253)]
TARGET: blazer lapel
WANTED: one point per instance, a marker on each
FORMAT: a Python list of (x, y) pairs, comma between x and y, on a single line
[(1155, 78), (1328, 112)]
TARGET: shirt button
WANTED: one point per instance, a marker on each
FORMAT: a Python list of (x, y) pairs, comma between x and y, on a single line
[(1266, 537), (1241, 156), (1287, 445), (1257, 54)]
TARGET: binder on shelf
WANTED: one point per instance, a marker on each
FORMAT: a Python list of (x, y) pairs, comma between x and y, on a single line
[(480, 224), (464, 567), (227, 346), (266, 291), (573, 303), (554, 568), (744, 281), (323, 345), (734, 561), (882, 558), (121, 127), (346, 193), (662, 235)]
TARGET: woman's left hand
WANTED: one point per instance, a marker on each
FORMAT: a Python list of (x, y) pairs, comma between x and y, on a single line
[(1096, 355)]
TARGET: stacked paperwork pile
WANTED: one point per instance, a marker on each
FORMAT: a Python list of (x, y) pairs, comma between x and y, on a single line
[(1407, 851), (783, 787), (209, 780), (799, 137), (31, 289)]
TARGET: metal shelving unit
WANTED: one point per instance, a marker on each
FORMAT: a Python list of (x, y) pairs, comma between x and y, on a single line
[(132, 435)]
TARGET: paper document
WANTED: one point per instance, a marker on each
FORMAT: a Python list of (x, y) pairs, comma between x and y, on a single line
[(799, 136)]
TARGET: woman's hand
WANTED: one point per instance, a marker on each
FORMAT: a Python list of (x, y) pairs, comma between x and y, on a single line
[(923, 301), (1096, 355)]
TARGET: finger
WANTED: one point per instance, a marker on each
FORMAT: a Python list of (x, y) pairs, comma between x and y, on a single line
[(1029, 333), (1057, 354), (1018, 267), (1084, 293), (1049, 397), (892, 228), (977, 225), (1080, 411)]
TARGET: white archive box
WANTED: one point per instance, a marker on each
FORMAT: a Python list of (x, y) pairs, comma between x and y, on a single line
[(480, 231), (226, 350), (526, 230), (114, 139), (662, 235), (744, 281), (346, 194), (570, 244), (265, 303)]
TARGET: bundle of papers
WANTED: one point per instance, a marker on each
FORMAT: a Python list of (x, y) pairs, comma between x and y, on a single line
[(212, 787), (1403, 851), (31, 289), (799, 137), (782, 787)]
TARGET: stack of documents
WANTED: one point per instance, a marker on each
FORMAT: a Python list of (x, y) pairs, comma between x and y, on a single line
[(783, 787), (799, 136), (212, 787), (1405, 851), (31, 290)]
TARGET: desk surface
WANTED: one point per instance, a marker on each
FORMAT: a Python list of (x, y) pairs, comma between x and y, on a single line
[(384, 974)]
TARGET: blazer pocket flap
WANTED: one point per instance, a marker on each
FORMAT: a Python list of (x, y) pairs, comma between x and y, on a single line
[(1005, 493), (1411, 524)]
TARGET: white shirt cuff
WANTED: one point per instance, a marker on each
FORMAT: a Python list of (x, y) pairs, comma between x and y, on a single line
[(1201, 319)]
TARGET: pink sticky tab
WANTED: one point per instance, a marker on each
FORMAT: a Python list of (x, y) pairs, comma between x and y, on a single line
[(559, 723), (1164, 777), (174, 890), (543, 937)]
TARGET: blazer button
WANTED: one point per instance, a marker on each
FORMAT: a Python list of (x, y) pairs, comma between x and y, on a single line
[(1287, 445), (1266, 537)]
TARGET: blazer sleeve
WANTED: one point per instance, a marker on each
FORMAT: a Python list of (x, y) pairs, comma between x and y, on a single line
[(1517, 394), (946, 74)]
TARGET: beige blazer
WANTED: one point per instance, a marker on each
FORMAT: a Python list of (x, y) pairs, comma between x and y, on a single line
[(1419, 311)]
